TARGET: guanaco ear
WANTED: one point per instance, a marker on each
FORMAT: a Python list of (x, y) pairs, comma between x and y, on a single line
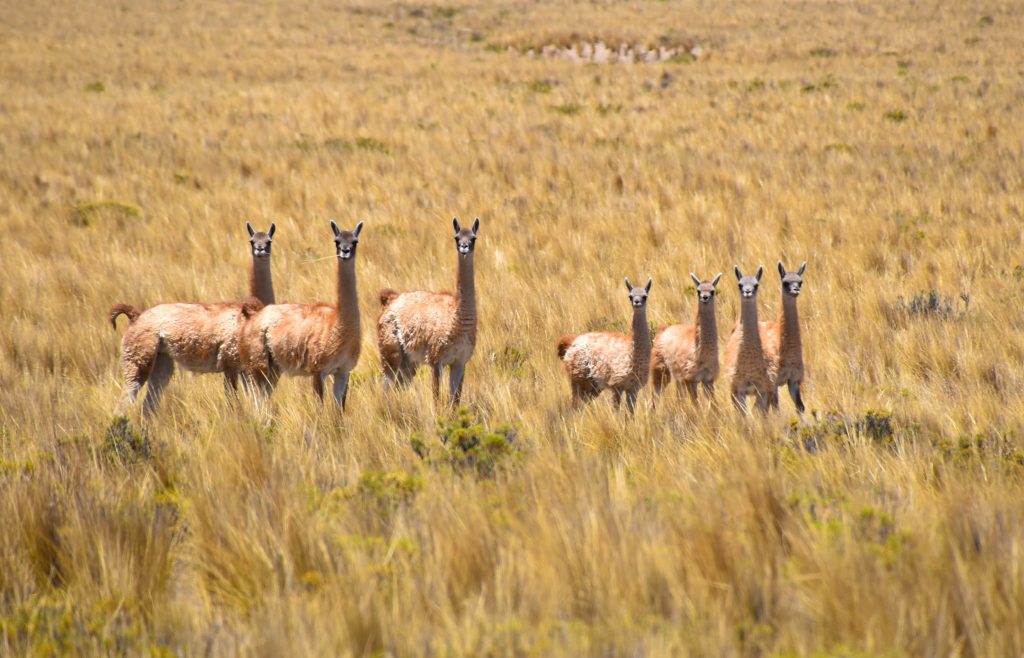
[(629, 286), (270, 233), (714, 282), (802, 268), (248, 227), (455, 223), (334, 227), (739, 275), (782, 270), (476, 225), (760, 271), (696, 281), (359, 228), (650, 282)]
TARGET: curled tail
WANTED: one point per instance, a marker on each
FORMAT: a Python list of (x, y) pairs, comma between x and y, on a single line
[(387, 295), (126, 309), (563, 344)]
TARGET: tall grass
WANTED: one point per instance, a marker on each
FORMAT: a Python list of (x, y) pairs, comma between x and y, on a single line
[(137, 139)]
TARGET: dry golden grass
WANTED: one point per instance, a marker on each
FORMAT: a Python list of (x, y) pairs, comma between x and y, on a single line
[(882, 144)]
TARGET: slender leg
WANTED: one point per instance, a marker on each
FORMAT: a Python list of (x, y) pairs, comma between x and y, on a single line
[(435, 370), (577, 393), (246, 384), (391, 363), (136, 366), (660, 377), (456, 372), (764, 401), (340, 388), (261, 387), (163, 368), (740, 401), (794, 392), (709, 390), (616, 398), (230, 382), (631, 401), (134, 378), (318, 385), (691, 388)]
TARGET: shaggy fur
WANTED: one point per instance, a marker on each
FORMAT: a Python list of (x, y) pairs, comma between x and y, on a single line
[(747, 364), (602, 360), (315, 340), (689, 353), (197, 337), (782, 339), (433, 328)]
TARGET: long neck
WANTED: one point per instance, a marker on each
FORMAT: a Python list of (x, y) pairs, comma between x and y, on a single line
[(260, 284), (748, 323), (641, 340), (789, 323), (467, 294), (348, 302), (707, 328)]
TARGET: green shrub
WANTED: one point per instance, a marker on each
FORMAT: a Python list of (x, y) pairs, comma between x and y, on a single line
[(511, 359), (968, 448), (834, 427), (386, 490), (125, 444), (465, 445), (540, 86), (568, 109), (896, 116)]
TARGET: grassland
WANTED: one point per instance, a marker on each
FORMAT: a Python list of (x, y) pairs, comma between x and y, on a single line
[(880, 143)]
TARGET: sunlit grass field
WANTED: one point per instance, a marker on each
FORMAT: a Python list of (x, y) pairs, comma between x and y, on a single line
[(880, 142)]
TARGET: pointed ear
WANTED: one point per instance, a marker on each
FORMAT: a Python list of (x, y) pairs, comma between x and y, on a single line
[(248, 227), (629, 286), (476, 225), (802, 268), (650, 282), (696, 281), (782, 270), (455, 223), (334, 227), (270, 233), (359, 228), (739, 275), (715, 281), (760, 271)]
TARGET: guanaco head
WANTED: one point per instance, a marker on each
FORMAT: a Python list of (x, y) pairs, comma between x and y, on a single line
[(705, 289), (638, 296), (345, 241), (465, 238), (792, 281), (260, 241), (749, 284)]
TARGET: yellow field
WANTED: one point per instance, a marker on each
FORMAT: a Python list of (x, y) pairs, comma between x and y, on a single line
[(882, 144)]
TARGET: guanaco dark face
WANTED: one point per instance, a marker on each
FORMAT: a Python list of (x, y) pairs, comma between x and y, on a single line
[(465, 238), (705, 289), (748, 284), (345, 241), (260, 241), (792, 282), (638, 296)]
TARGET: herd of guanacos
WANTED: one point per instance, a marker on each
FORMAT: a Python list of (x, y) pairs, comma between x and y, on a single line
[(256, 340)]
